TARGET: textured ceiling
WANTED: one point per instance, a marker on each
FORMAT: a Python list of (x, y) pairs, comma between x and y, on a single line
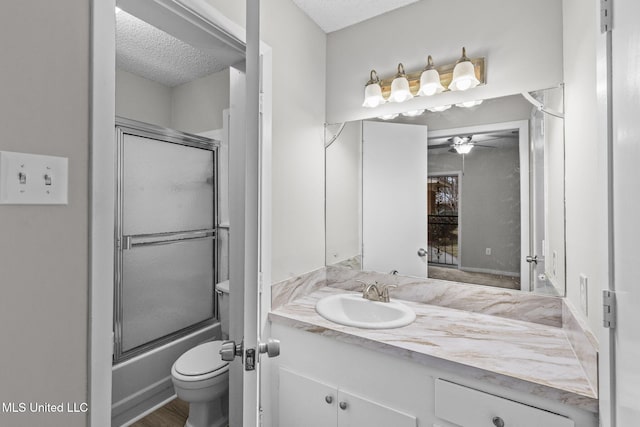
[(145, 50), (332, 15)]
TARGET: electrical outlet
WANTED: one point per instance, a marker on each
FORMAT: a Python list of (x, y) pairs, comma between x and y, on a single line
[(487, 251), (584, 281)]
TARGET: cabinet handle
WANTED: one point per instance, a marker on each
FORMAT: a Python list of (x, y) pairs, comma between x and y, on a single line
[(498, 422), (328, 398), (343, 405)]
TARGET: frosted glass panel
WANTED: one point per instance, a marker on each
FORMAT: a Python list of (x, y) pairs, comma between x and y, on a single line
[(165, 288), (167, 187)]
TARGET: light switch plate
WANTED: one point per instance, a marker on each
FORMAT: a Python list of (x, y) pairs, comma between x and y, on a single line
[(32, 179)]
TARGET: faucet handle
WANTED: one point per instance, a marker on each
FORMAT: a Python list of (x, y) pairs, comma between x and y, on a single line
[(385, 292)]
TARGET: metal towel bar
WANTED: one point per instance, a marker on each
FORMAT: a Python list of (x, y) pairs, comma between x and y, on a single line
[(155, 239)]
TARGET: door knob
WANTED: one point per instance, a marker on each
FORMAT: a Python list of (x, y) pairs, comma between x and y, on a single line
[(343, 405), (532, 259), (230, 350), (422, 252), (271, 347)]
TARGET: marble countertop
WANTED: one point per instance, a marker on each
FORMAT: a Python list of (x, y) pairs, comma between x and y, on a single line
[(529, 357)]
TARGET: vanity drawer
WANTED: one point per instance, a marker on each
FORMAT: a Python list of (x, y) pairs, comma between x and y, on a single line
[(467, 407)]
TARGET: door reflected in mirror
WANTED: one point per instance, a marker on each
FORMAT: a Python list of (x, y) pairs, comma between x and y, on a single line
[(482, 203)]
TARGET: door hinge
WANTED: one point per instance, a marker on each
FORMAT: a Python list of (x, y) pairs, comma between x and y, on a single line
[(261, 103), (608, 309), (606, 20)]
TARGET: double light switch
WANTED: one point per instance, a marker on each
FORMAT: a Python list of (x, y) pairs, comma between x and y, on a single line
[(32, 179)]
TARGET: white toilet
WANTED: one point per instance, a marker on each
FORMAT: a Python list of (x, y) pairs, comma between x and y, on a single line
[(201, 378)]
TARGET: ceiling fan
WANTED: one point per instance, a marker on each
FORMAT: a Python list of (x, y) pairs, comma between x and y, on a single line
[(464, 144)]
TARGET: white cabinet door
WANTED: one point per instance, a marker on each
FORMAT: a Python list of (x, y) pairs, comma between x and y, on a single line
[(306, 402), (394, 197), (355, 411)]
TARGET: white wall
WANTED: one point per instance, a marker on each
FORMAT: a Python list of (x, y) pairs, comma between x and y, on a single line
[(197, 106), (586, 173), (343, 194), (521, 41), (142, 99), (299, 48), (194, 107), (44, 249)]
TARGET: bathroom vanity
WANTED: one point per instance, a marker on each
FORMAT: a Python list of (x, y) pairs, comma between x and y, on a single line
[(448, 368)]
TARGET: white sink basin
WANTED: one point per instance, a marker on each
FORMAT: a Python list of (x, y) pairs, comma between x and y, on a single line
[(353, 310)]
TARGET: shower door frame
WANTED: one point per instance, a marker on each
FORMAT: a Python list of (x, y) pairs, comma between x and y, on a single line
[(124, 127)]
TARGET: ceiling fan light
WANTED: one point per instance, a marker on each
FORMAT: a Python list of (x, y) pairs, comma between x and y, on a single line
[(464, 148)]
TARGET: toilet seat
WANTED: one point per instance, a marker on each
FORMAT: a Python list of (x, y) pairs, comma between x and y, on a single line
[(200, 363)]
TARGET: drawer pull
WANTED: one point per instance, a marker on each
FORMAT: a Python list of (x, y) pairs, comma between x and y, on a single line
[(328, 398), (498, 422), (343, 405)]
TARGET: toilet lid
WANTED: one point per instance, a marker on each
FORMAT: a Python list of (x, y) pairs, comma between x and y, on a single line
[(200, 360)]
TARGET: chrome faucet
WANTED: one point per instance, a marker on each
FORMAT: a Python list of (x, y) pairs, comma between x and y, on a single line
[(373, 292)]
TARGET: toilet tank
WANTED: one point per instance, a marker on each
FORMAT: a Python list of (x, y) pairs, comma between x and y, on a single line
[(222, 289)]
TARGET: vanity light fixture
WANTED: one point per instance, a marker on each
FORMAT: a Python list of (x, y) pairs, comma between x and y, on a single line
[(388, 116), (430, 80), (439, 108), (373, 91), (412, 113), (469, 104), (464, 75), (400, 87)]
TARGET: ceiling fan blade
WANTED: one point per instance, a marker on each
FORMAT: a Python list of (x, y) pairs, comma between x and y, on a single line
[(483, 146), (434, 146)]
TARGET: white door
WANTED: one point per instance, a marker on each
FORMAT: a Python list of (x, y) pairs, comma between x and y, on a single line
[(244, 208), (249, 225), (394, 198), (625, 56)]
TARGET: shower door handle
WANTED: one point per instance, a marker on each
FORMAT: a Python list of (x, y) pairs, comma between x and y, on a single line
[(422, 252), (532, 259)]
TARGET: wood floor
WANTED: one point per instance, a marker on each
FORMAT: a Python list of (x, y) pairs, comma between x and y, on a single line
[(456, 275), (173, 414)]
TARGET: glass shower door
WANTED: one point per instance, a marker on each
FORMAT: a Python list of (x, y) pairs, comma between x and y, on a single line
[(166, 248)]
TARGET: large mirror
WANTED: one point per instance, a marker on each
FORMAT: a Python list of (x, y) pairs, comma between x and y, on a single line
[(469, 194)]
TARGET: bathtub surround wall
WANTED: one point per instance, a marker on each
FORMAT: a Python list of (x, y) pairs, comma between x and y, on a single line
[(44, 249)]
